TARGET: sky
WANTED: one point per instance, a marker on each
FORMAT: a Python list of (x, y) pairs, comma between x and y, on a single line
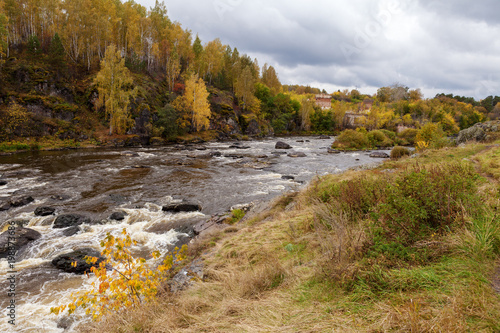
[(439, 46)]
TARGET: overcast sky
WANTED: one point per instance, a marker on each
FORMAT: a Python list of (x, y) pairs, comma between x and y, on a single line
[(436, 45)]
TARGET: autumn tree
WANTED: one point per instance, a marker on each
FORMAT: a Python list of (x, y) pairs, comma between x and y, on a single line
[(270, 79), (244, 89), (3, 36), (306, 110), (193, 105), (114, 83)]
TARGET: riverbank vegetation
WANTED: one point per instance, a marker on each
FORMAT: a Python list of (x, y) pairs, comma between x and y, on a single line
[(412, 245), (55, 85)]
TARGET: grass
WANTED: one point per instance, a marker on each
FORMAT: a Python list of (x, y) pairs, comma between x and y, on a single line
[(351, 256)]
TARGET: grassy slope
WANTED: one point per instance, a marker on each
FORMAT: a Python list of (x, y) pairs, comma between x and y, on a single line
[(311, 264)]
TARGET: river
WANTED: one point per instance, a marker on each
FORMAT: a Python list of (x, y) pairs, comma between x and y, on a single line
[(139, 181)]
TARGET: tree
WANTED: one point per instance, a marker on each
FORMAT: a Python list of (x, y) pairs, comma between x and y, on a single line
[(194, 104), (244, 89), (56, 51), (114, 83), (34, 47), (270, 79), (3, 36), (306, 110)]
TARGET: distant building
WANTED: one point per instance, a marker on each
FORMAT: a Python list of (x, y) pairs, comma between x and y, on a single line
[(354, 120), (365, 106), (324, 101)]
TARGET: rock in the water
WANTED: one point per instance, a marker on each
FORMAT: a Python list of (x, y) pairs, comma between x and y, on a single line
[(282, 145), (215, 154), (70, 220), (182, 207), (379, 154), (117, 198), (44, 211), (3, 182), (288, 177), (21, 201), (118, 216), (60, 197), (297, 154), (66, 262), (68, 232), (324, 137), (334, 151), (21, 236)]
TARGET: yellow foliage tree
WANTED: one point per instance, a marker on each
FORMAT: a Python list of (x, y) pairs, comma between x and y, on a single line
[(114, 83), (122, 280), (193, 105)]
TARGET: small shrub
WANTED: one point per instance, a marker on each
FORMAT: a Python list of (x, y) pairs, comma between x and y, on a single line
[(409, 135), (351, 140), (398, 152)]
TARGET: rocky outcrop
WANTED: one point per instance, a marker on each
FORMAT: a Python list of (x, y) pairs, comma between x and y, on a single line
[(486, 131), (216, 221), (44, 211), (76, 261), (282, 145), (187, 276), (19, 238), (70, 220), (181, 207)]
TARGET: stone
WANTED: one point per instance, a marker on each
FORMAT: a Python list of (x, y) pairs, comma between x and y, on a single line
[(3, 182), (70, 220), (324, 137), (68, 232), (282, 145), (44, 211), (181, 207), (379, 154), (22, 237), (118, 216), (4, 205), (129, 153), (66, 262), (334, 151), (288, 177), (187, 276), (297, 154)]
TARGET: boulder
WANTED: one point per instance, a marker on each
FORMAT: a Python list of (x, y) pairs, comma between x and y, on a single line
[(68, 232), (181, 207), (379, 154), (22, 236), (21, 201), (70, 220), (334, 151), (44, 211), (282, 145), (118, 216), (486, 131), (214, 222), (324, 137), (288, 177), (187, 276), (297, 154), (3, 182), (66, 262)]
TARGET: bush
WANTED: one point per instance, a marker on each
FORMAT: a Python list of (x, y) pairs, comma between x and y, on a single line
[(351, 140), (409, 135), (398, 152), (379, 139)]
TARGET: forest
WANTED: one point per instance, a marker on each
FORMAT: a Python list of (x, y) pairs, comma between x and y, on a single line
[(90, 70)]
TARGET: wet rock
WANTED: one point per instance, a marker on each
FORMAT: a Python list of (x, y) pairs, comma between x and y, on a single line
[(244, 207), (288, 177), (324, 137), (297, 154), (66, 262), (3, 182), (44, 211), (233, 156), (140, 166), (300, 141), (70, 220), (118, 216), (379, 154), (201, 148), (68, 232), (181, 207), (14, 240), (277, 153), (215, 154), (262, 156), (334, 151), (21, 201), (282, 145)]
